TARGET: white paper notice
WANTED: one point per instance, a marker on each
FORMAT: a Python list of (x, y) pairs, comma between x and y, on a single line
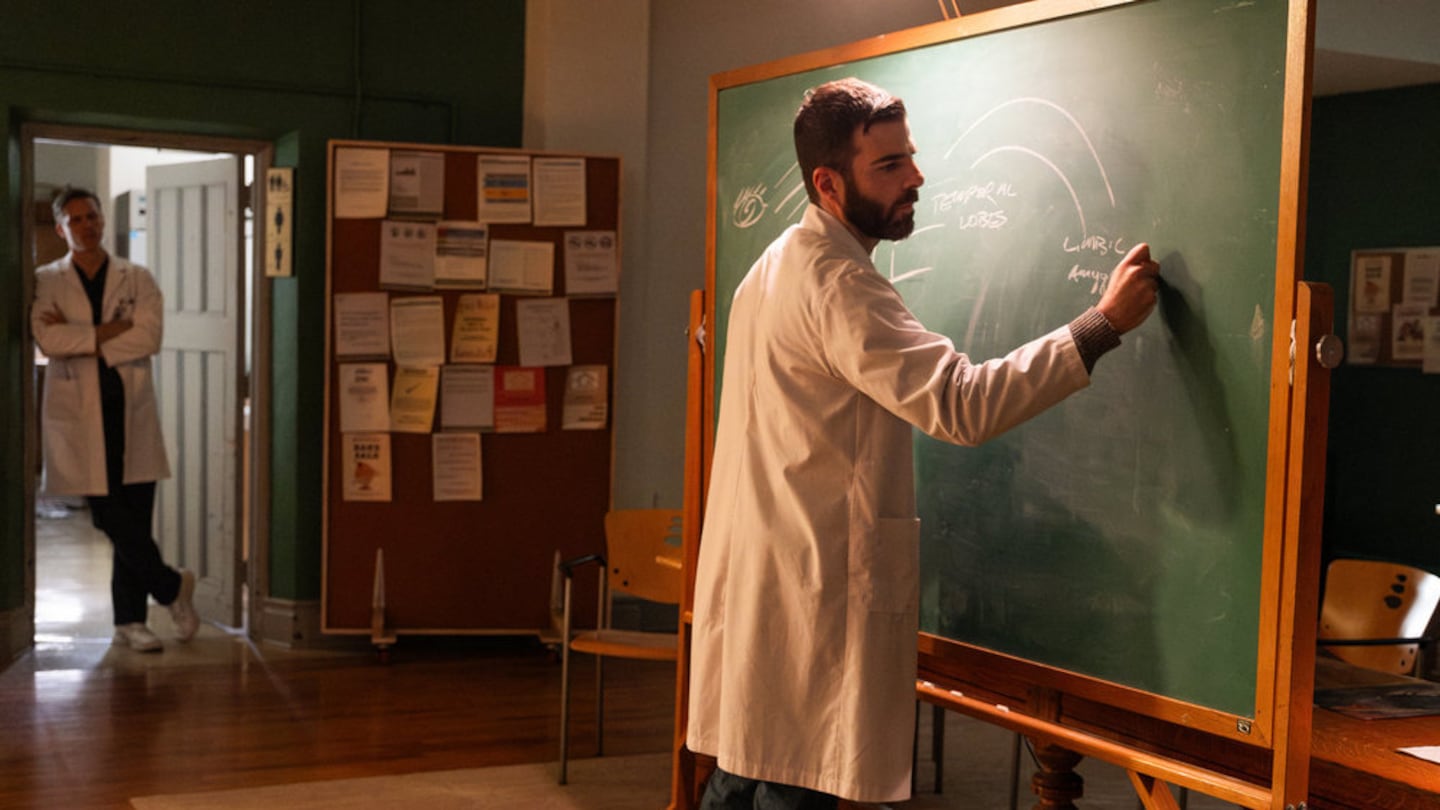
[(364, 398), (587, 398), (1364, 347), (455, 458), (504, 188), (522, 266), (1422, 277), (407, 255), (417, 327), (1407, 326), (417, 183), (1371, 279), (560, 191), (361, 182), (412, 405), (1431, 363), (476, 335), (1429, 753), (365, 461), (460, 255), (591, 265), (467, 397), (543, 327), (362, 324)]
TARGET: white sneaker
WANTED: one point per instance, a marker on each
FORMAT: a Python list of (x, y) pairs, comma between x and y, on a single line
[(137, 637), (182, 610)]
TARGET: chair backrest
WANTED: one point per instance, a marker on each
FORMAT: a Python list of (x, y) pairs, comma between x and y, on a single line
[(1365, 599), (643, 550)]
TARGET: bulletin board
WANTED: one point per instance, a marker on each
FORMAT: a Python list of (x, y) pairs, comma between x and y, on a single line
[(438, 561), (1394, 313)]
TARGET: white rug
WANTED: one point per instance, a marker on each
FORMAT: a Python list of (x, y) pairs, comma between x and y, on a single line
[(603, 783)]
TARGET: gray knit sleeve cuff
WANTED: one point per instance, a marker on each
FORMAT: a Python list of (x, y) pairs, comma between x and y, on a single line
[(1094, 336)]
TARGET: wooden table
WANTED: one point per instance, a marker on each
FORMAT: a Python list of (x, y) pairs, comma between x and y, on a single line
[(1355, 762)]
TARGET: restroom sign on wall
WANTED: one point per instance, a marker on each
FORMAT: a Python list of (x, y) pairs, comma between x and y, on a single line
[(279, 221)]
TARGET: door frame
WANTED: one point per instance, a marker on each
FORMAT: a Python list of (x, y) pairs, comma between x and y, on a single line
[(254, 512)]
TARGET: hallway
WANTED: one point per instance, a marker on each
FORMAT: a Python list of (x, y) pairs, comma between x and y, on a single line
[(88, 725)]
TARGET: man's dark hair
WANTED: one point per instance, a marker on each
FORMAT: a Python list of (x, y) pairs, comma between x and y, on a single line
[(826, 122), (68, 194)]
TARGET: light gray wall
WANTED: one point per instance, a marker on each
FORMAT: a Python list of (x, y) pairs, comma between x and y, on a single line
[(72, 164), (586, 89), (688, 43)]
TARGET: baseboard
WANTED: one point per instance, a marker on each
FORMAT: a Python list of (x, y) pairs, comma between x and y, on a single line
[(291, 623), (17, 632)]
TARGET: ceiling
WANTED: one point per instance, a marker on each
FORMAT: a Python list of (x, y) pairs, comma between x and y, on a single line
[(1375, 45), (1344, 72), (1360, 45)]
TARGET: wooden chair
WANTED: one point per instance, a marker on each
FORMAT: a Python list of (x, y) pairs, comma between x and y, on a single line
[(1374, 614), (643, 559)]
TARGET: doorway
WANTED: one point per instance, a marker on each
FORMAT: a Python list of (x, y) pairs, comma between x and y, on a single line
[(183, 206)]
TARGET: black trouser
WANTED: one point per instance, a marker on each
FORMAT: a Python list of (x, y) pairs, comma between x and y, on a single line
[(125, 515), (138, 570), (726, 791)]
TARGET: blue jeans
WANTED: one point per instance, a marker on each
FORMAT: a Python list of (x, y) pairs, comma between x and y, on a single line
[(726, 791)]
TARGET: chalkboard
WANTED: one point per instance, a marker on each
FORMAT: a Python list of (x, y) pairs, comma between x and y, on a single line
[(1119, 536)]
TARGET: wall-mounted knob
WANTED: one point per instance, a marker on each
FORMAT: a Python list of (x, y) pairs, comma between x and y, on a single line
[(1329, 350)]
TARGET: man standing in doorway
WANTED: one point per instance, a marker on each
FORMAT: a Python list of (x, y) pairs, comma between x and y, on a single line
[(807, 590), (98, 319)]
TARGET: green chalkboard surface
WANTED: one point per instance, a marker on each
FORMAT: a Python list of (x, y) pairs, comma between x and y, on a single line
[(1119, 535)]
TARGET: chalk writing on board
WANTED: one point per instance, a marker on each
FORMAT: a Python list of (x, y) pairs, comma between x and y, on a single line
[(750, 204), (1044, 103), (969, 200)]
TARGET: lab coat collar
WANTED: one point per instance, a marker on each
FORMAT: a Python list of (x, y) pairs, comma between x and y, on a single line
[(822, 221)]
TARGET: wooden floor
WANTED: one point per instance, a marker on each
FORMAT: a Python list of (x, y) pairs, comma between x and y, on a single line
[(88, 725)]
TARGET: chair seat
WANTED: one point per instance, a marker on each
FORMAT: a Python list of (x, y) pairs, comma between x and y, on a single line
[(628, 644)]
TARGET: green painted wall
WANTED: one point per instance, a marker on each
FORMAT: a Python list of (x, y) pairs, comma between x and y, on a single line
[(1375, 182), (296, 75)]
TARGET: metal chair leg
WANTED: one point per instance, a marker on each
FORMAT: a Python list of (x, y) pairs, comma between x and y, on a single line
[(602, 618), (1015, 771), (937, 745), (565, 684)]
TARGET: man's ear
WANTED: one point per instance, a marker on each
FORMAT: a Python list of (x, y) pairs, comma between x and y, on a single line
[(829, 185)]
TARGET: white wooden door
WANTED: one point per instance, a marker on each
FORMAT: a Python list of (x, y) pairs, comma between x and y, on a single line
[(193, 247)]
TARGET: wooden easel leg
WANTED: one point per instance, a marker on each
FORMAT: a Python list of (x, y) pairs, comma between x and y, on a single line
[(1056, 784), (1154, 794)]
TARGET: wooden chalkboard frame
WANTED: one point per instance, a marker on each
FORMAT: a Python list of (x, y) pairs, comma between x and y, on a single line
[(1289, 566), (470, 567)]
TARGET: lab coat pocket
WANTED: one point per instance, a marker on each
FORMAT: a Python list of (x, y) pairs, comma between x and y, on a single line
[(64, 398), (885, 566)]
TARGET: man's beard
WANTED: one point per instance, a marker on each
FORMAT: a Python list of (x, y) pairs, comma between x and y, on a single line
[(871, 218)]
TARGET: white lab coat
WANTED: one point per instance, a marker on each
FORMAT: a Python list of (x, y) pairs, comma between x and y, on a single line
[(72, 431), (807, 592)]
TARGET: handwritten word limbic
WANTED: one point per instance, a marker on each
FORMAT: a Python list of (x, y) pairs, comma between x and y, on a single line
[(1098, 245)]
